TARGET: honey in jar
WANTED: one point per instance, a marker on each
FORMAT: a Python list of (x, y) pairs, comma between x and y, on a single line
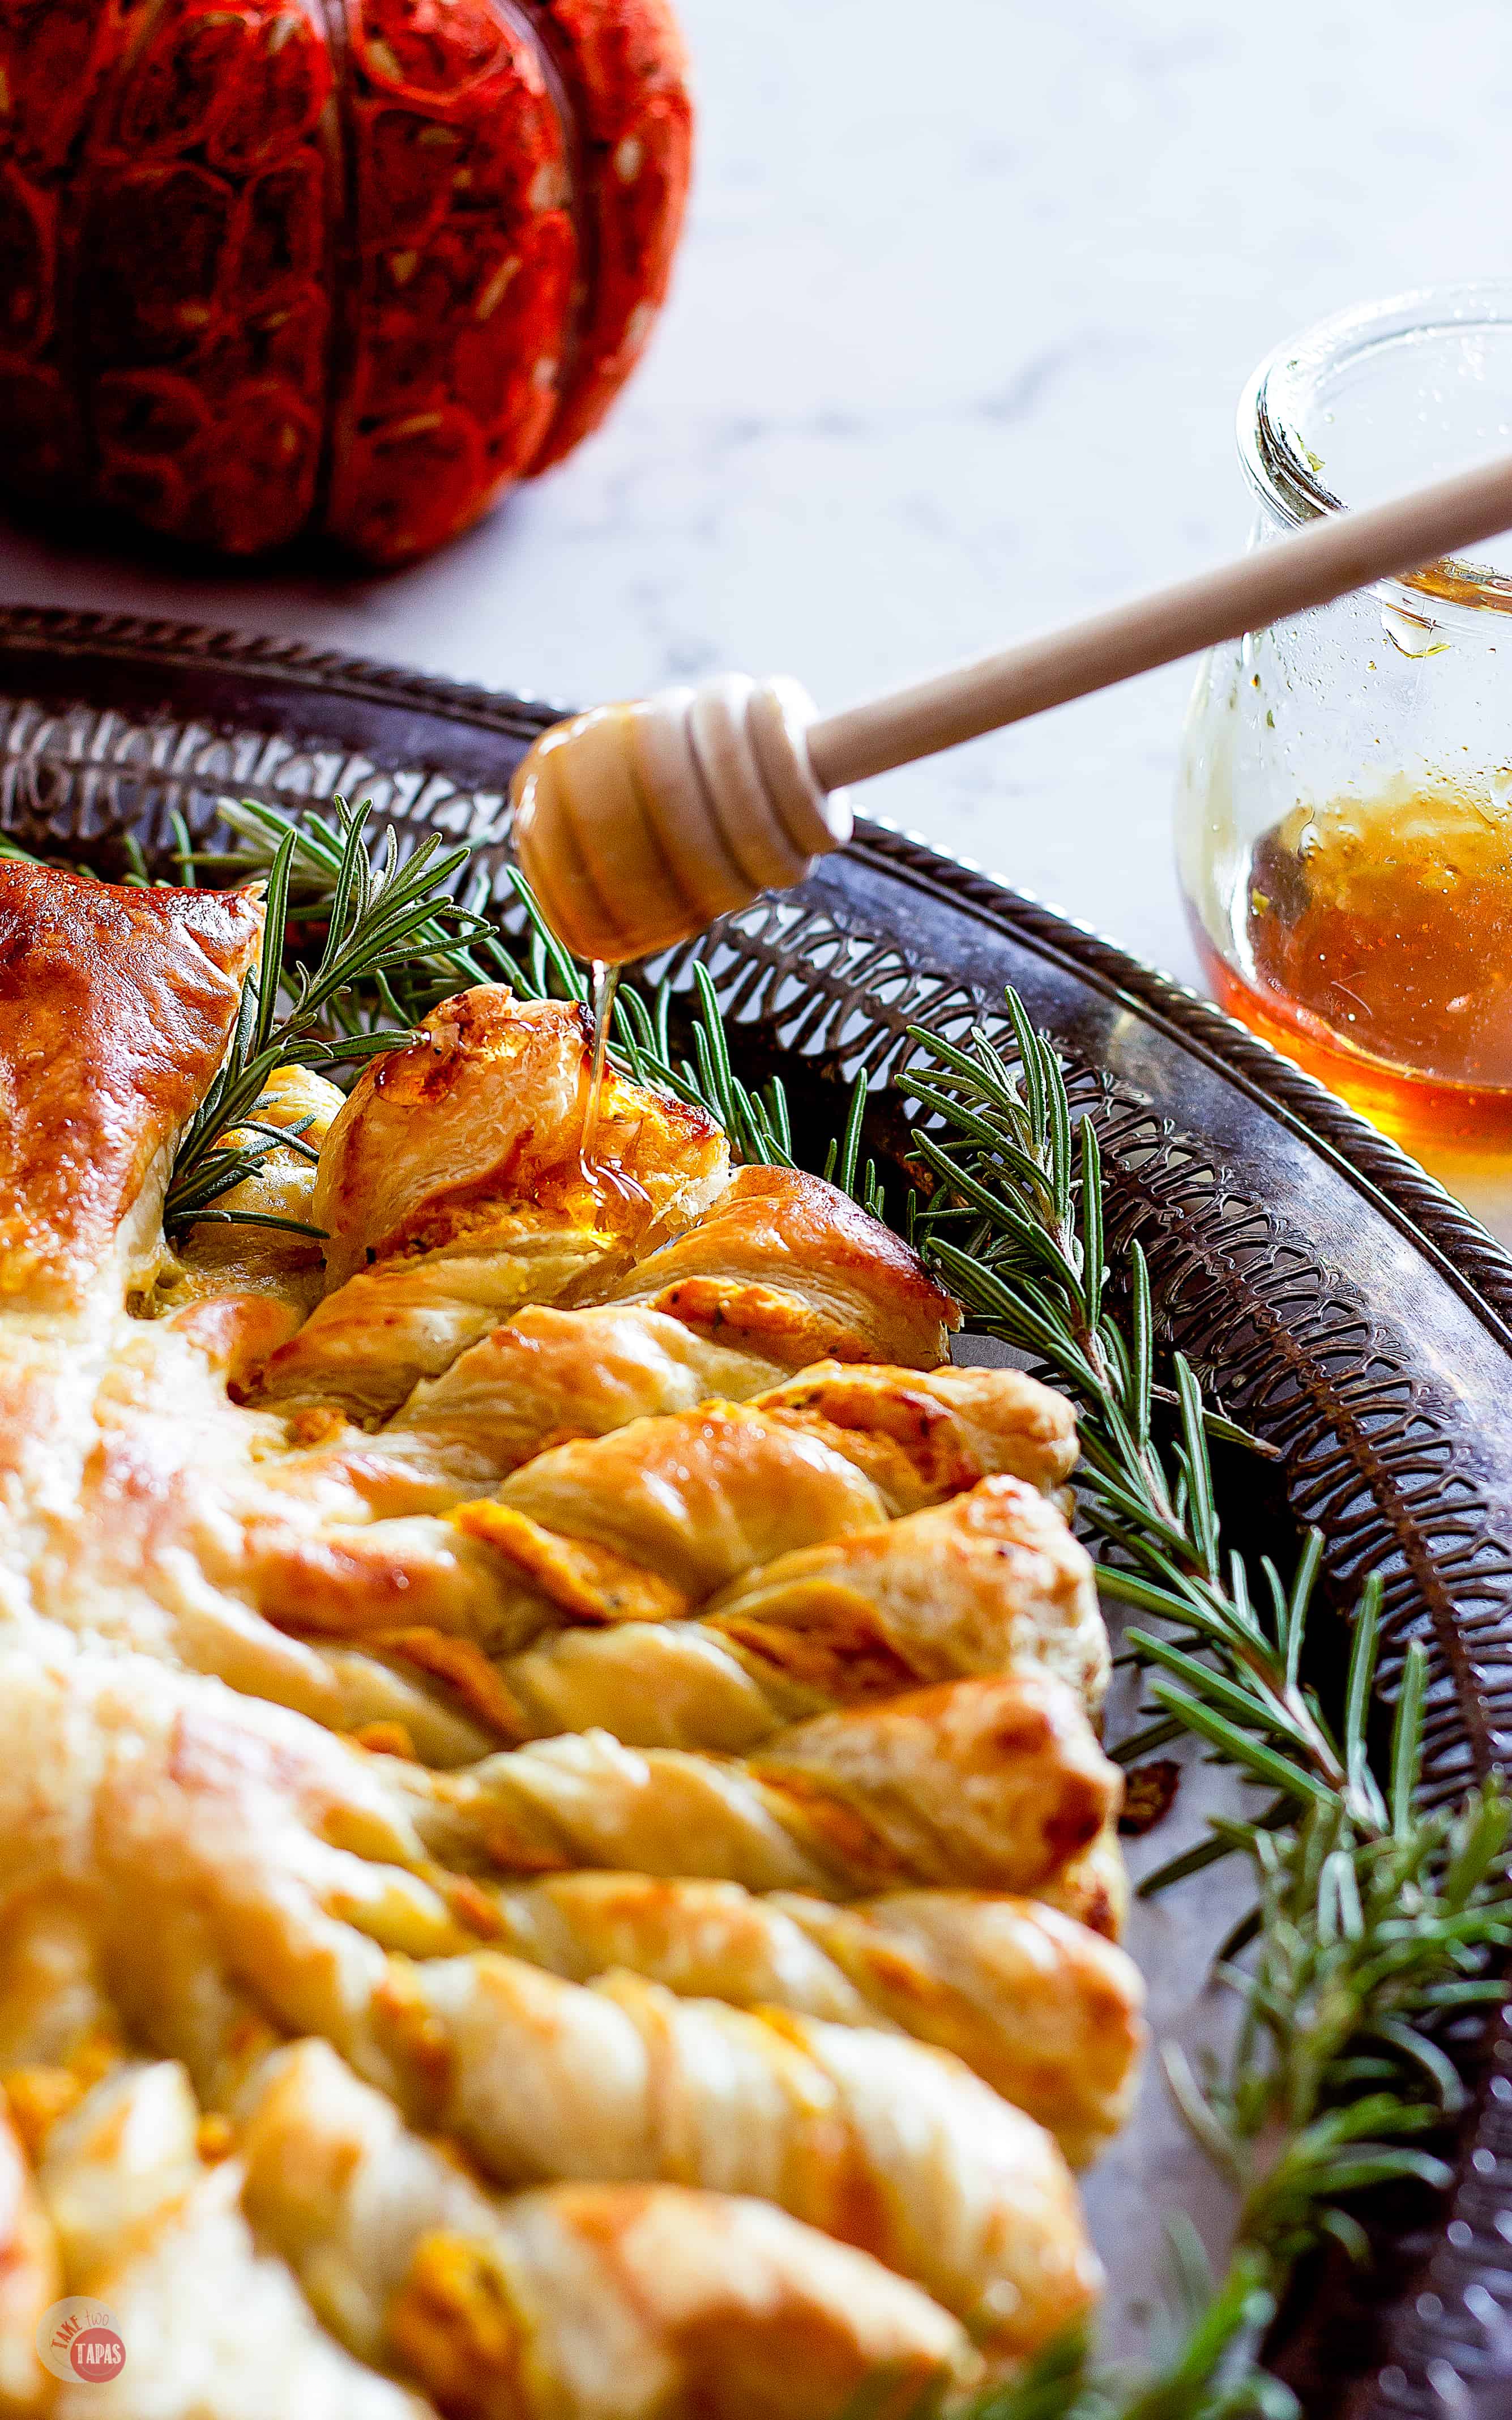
[(1344, 804), (1375, 945)]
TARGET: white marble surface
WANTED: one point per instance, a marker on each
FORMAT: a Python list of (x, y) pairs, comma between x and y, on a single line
[(967, 298)]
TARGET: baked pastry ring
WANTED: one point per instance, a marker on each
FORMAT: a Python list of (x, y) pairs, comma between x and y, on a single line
[(564, 1671)]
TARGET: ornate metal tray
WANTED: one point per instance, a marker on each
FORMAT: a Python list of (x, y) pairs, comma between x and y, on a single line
[(1342, 1304)]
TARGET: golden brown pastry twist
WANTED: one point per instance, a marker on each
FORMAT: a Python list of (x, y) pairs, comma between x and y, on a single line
[(647, 1522), (1037, 2005), (433, 1242), (995, 1784), (187, 1827), (550, 1374), (876, 2139), (992, 1578), (704, 2307)]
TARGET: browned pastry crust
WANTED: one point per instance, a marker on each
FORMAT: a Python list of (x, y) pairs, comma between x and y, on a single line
[(1048, 2014), (707, 2307), (994, 1783), (867, 1296), (756, 1285), (698, 2307), (990, 1577), (956, 1424), (452, 1192), (116, 1008), (488, 1105), (551, 1373)]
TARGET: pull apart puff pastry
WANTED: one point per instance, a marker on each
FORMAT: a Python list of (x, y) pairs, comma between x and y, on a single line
[(547, 1774)]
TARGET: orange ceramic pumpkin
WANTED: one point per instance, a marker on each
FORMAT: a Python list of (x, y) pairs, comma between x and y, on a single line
[(268, 266)]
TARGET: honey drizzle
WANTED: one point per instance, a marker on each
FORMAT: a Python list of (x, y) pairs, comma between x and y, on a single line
[(603, 1179), (604, 981)]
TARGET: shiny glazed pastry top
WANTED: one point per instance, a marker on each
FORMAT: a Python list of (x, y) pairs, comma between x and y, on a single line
[(554, 1856)]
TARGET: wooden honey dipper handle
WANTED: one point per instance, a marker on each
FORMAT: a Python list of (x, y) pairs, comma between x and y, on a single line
[(637, 825), (1326, 560)]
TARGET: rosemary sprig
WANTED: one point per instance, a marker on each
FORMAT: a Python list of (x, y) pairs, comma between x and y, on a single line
[(451, 943), (1371, 1936), (1016, 1226), (379, 921)]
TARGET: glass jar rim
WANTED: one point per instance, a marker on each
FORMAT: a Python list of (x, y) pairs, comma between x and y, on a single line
[(1286, 475)]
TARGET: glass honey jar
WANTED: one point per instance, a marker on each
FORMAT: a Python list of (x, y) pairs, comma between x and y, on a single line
[(1344, 814)]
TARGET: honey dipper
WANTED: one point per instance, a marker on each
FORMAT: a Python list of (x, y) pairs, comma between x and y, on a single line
[(636, 825)]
